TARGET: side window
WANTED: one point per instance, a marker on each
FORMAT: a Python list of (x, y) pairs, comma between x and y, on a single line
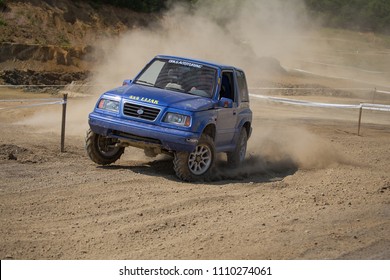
[(242, 86), (227, 86)]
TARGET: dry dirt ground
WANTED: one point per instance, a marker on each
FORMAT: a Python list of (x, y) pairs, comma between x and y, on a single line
[(310, 189)]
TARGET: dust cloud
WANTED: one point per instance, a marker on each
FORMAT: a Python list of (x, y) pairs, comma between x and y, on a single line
[(297, 145), (281, 150), (48, 120), (225, 31)]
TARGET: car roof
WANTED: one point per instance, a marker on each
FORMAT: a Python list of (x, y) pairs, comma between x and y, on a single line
[(204, 62)]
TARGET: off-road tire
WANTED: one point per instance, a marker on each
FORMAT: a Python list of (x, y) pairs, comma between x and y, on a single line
[(185, 164), (97, 150), (237, 157)]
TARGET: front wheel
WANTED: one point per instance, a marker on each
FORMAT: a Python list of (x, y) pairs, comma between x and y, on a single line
[(197, 165), (101, 149), (237, 157)]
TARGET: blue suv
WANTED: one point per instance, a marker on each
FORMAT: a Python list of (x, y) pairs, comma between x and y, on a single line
[(190, 109)]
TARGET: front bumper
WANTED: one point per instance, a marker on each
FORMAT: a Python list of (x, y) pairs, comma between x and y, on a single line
[(152, 135)]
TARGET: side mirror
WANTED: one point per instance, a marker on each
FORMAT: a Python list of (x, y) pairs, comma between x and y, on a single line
[(126, 82), (225, 102)]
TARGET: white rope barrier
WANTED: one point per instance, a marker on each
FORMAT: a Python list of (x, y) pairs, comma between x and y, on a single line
[(361, 106), (71, 84), (383, 91), (368, 106), (376, 107), (32, 105), (50, 101), (304, 102), (316, 88), (19, 86), (45, 101), (30, 100), (311, 88)]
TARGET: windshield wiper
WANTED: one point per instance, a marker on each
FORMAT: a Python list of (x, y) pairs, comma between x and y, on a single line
[(175, 89), (144, 82)]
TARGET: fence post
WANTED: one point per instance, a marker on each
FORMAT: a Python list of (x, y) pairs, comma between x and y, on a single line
[(360, 118), (64, 102)]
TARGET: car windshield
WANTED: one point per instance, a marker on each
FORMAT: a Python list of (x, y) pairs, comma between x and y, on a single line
[(179, 75)]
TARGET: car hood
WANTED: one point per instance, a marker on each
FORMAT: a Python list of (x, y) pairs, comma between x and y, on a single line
[(163, 97)]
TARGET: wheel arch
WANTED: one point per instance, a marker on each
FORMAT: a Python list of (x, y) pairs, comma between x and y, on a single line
[(210, 130), (248, 128)]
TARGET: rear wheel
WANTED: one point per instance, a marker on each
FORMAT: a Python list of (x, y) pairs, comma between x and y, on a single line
[(101, 149), (197, 165), (237, 157)]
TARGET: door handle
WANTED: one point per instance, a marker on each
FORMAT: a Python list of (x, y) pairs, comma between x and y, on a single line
[(234, 112)]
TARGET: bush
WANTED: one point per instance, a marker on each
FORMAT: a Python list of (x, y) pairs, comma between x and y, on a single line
[(144, 6), (365, 15)]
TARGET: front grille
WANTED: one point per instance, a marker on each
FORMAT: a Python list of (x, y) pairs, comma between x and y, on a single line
[(140, 111)]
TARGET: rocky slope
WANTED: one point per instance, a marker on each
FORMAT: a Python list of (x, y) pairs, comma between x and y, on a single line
[(50, 38)]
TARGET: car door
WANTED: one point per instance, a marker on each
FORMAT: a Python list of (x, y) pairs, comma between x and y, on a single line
[(227, 117)]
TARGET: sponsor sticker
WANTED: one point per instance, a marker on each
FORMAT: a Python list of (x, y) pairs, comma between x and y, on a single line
[(185, 63), (143, 99)]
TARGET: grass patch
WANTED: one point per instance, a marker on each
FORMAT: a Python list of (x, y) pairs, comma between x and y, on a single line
[(3, 22)]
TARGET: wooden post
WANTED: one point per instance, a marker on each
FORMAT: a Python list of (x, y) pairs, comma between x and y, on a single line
[(360, 118), (64, 102)]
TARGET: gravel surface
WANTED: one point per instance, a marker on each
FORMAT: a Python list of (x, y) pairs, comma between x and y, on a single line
[(310, 189)]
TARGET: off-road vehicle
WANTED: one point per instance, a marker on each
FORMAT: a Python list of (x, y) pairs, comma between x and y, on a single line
[(190, 109)]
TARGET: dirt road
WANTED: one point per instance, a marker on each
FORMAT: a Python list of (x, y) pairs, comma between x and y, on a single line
[(310, 189)]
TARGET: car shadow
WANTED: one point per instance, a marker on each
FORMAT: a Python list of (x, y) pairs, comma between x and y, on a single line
[(253, 170)]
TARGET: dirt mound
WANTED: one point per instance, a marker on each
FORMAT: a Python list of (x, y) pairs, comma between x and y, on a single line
[(57, 37), (57, 55), (26, 64), (30, 77), (20, 154), (64, 22)]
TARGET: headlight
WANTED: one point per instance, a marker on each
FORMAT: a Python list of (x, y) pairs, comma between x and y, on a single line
[(177, 119), (110, 105)]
